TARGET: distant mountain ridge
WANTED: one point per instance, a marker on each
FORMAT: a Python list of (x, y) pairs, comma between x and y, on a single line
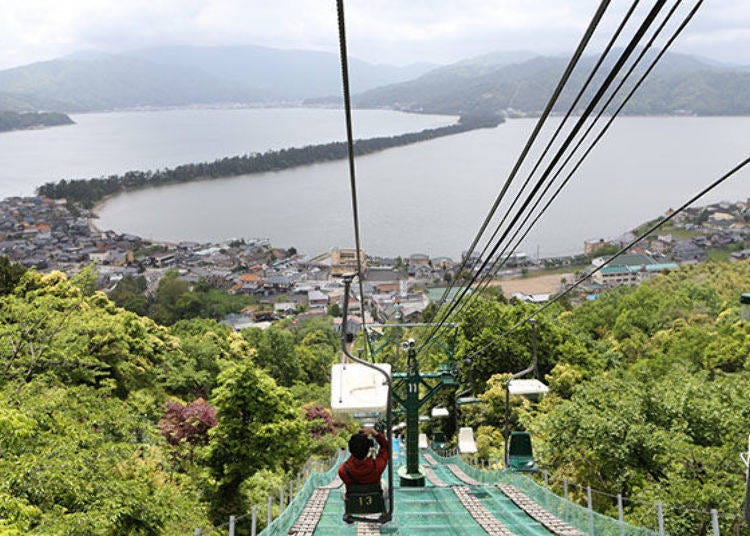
[(185, 75), (680, 84), (513, 82)]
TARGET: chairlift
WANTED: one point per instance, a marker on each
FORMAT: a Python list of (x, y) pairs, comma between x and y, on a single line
[(466, 443), (520, 454), (364, 388), (440, 413), (438, 441), (365, 503)]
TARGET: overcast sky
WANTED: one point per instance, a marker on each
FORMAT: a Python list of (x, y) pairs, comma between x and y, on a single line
[(379, 31)]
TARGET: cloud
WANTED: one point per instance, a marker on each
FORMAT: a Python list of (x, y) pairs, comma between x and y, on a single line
[(386, 31)]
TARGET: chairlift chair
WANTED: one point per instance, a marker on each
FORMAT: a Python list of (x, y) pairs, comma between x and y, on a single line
[(365, 503), (520, 453), (438, 441), (439, 412)]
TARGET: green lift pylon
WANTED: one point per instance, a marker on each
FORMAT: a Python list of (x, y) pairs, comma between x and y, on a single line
[(412, 389)]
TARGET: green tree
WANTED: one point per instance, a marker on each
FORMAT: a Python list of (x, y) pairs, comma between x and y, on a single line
[(10, 275), (258, 428)]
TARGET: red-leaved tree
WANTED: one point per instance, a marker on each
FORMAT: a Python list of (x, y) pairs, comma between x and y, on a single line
[(321, 421), (188, 423)]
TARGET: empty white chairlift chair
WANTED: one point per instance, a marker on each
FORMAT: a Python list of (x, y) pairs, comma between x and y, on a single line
[(533, 389), (359, 390), (440, 413), (466, 444), (423, 441)]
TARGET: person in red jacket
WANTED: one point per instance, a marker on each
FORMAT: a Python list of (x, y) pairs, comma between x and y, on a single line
[(361, 468)]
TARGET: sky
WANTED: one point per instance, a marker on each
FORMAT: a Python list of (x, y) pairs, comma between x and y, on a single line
[(379, 31)]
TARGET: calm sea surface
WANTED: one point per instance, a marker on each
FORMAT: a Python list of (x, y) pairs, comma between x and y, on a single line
[(105, 143), (430, 197)]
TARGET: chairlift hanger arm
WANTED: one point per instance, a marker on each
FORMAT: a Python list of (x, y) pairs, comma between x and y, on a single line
[(387, 516)]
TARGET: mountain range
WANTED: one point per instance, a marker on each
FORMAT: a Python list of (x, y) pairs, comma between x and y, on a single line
[(514, 83), (186, 75), (679, 84)]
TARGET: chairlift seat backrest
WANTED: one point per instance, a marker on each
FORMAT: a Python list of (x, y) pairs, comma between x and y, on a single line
[(466, 444), (520, 453), (362, 499)]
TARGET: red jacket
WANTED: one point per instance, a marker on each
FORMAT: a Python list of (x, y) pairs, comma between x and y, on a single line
[(366, 471)]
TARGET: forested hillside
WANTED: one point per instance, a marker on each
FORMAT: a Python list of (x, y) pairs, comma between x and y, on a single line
[(111, 423), (680, 84), (650, 394), (16, 121)]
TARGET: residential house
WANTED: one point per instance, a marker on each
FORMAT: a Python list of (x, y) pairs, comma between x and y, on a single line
[(317, 299), (344, 261)]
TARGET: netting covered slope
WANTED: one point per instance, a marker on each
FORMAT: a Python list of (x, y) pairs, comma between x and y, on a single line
[(458, 500)]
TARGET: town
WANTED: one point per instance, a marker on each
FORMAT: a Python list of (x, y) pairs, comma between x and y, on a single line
[(52, 234)]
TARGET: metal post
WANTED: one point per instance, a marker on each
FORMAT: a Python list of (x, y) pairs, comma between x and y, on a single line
[(621, 514), (254, 522), (546, 479), (715, 521), (291, 491), (565, 488), (591, 510), (532, 321), (232, 523), (660, 517), (281, 500), (197, 532), (269, 517), (298, 482)]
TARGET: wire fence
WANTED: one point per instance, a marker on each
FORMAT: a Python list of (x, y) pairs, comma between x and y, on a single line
[(277, 515), (583, 518)]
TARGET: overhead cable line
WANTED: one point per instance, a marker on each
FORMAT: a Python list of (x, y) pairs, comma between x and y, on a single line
[(495, 268), (561, 150), (559, 128), (574, 131), (585, 39), (622, 250), (596, 19), (350, 151), (571, 109)]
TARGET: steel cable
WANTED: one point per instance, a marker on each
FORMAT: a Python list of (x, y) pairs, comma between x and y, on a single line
[(579, 124), (495, 267)]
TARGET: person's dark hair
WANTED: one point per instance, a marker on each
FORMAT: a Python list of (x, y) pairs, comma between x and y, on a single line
[(359, 446)]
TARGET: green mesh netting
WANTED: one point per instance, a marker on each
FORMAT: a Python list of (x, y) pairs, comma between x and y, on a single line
[(438, 510), (582, 518), (286, 520)]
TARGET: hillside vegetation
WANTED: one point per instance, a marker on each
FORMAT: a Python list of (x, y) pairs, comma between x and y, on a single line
[(679, 84), (113, 424), (16, 121), (186, 75), (650, 394)]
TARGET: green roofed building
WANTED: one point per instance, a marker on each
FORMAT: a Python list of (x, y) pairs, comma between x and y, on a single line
[(631, 274)]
